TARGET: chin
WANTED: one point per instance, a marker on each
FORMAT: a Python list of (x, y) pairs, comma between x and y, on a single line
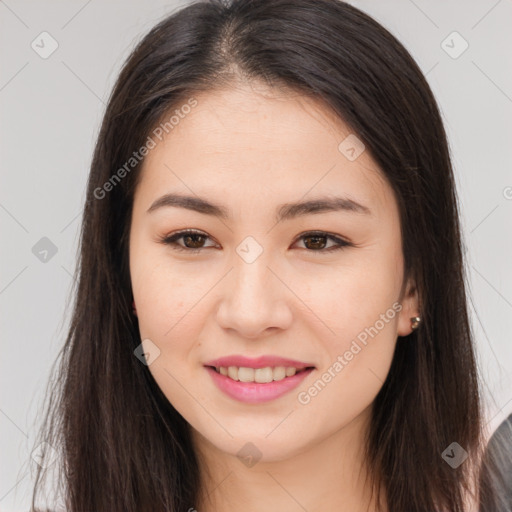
[(252, 447)]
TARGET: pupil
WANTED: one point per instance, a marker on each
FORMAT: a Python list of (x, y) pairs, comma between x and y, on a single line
[(188, 237), (315, 243)]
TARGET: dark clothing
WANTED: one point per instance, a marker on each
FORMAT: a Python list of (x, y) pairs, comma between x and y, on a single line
[(496, 477)]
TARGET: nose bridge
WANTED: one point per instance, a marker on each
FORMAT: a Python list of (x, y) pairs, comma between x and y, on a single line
[(254, 299), (251, 279)]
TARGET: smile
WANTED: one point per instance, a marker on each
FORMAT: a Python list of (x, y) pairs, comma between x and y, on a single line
[(260, 375), (253, 385)]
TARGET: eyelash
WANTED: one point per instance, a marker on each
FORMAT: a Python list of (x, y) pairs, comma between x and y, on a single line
[(171, 241)]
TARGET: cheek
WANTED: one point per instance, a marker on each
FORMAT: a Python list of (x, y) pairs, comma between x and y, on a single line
[(163, 293), (350, 299), (170, 316), (167, 314), (358, 360), (359, 306)]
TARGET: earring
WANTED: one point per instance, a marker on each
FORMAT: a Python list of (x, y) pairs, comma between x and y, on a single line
[(134, 309), (415, 321)]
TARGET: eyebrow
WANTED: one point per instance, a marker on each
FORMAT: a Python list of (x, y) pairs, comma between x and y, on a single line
[(284, 211)]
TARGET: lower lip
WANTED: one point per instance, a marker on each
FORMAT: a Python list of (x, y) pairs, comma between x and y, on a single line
[(254, 392)]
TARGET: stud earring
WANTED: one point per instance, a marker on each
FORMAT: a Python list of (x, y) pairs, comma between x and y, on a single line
[(134, 309), (415, 322)]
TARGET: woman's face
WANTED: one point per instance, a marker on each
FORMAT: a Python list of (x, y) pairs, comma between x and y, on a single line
[(261, 285)]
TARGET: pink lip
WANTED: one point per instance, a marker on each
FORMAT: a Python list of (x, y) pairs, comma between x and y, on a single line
[(254, 392), (259, 362)]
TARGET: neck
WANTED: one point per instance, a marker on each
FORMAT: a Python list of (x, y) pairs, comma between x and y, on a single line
[(329, 475)]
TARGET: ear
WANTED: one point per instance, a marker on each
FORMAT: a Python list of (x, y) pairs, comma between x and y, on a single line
[(410, 308)]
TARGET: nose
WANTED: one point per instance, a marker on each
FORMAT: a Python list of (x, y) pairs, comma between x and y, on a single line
[(255, 301)]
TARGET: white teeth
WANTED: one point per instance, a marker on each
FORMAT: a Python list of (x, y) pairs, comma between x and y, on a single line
[(260, 375), (279, 373), (263, 375), (233, 372), (290, 372), (246, 374)]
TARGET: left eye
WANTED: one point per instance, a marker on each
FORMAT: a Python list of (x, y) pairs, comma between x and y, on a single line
[(196, 238)]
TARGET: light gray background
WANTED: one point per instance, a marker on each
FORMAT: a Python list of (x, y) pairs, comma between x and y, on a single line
[(50, 115)]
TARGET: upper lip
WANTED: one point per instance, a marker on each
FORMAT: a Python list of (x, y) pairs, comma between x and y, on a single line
[(258, 362)]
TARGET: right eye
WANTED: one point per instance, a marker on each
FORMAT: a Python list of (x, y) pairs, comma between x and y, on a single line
[(189, 236)]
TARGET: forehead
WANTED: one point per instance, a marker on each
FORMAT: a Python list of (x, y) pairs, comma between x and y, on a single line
[(252, 140), (252, 117)]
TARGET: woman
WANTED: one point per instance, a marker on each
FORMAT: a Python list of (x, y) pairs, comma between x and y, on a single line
[(271, 308)]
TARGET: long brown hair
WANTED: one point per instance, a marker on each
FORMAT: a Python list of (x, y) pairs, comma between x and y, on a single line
[(121, 444)]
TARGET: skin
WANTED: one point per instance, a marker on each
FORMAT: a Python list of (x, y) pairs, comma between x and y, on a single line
[(250, 149)]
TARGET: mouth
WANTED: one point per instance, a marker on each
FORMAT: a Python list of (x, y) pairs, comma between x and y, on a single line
[(257, 385), (259, 375)]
